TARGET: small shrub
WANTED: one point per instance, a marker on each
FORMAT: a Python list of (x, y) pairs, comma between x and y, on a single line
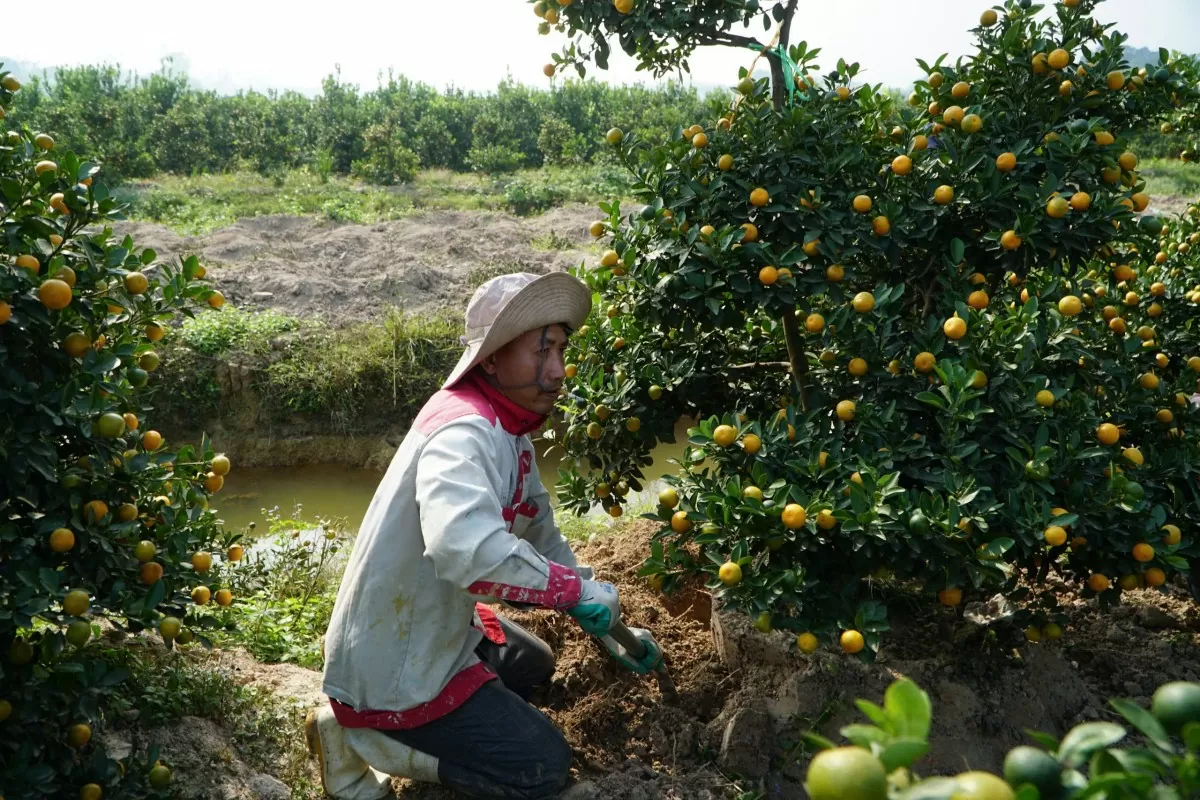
[(552, 241), (388, 162), (495, 158), (287, 589), (478, 276), (522, 198), (323, 165)]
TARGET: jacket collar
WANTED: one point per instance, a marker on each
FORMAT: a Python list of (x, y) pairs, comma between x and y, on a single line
[(515, 420)]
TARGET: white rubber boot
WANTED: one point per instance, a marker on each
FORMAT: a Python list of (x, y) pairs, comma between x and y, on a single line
[(385, 754), (358, 763)]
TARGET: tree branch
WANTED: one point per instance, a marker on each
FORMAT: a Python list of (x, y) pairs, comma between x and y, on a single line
[(725, 39), (788, 15), (753, 365), (799, 362)]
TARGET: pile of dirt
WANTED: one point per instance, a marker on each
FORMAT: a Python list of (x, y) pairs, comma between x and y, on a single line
[(745, 698), (347, 273)]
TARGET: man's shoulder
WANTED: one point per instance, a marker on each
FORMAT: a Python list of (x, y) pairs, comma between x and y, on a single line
[(460, 403)]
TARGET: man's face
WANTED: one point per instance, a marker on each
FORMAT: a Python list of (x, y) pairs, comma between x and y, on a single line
[(529, 369)]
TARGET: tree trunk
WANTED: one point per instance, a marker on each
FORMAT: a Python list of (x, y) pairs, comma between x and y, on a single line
[(799, 361), (791, 327)]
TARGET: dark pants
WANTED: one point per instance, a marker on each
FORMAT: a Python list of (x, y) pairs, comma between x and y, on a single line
[(496, 745)]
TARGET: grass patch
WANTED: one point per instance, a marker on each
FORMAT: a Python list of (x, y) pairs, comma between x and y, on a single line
[(215, 332), (265, 731), (477, 276), (579, 529), (340, 373), (375, 374), (204, 203), (553, 241), (1171, 177), (576, 528)]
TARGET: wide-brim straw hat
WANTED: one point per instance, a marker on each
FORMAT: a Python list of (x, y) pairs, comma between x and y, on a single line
[(511, 305)]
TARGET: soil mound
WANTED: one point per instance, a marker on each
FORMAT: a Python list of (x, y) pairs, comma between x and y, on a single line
[(348, 273)]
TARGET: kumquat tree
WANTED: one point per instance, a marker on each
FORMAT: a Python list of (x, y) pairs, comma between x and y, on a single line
[(100, 519), (938, 340)]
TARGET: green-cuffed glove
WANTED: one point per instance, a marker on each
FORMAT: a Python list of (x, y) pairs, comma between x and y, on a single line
[(648, 663), (598, 609)]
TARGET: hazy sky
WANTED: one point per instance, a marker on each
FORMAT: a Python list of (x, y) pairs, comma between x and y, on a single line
[(472, 43)]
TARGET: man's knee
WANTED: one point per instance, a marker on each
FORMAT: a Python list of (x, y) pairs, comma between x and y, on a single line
[(541, 663), (524, 662), (550, 769)]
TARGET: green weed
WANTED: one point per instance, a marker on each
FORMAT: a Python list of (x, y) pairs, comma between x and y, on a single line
[(164, 687), (1171, 178), (374, 374), (185, 386), (392, 367), (204, 203), (552, 241), (286, 593), (215, 332), (478, 276)]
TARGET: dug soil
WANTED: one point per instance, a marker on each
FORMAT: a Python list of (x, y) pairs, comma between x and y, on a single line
[(346, 273), (745, 698)]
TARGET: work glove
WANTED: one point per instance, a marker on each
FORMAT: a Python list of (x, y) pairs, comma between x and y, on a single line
[(598, 609), (648, 663)]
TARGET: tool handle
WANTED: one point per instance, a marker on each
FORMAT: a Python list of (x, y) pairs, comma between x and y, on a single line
[(624, 637), (636, 648)]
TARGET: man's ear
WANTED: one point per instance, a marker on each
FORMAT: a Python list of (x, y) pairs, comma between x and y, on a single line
[(488, 365)]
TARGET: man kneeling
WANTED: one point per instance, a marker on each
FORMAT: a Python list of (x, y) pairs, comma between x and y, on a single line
[(425, 682)]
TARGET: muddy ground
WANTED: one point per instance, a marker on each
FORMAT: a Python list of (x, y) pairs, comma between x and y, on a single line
[(745, 701), (347, 273)]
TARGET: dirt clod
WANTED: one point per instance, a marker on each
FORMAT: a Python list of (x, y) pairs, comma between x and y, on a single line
[(746, 745)]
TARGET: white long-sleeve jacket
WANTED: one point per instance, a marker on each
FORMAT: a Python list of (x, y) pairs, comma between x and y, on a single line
[(461, 515)]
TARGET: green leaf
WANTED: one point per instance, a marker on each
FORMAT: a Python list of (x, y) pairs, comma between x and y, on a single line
[(114, 677), (1044, 740), (1191, 736), (903, 753), (818, 741), (1145, 722), (932, 399), (998, 547), (103, 365), (1102, 786), (909, 709), (873, 712), (11, 189), (49, 579), (155, 595), (865, 735), (1083, 740), (957, 250)]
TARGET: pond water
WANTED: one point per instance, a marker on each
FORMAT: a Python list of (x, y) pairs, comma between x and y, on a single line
[(331, 491)]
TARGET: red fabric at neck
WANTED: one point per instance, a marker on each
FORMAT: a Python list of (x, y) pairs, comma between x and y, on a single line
[(516, 420)]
